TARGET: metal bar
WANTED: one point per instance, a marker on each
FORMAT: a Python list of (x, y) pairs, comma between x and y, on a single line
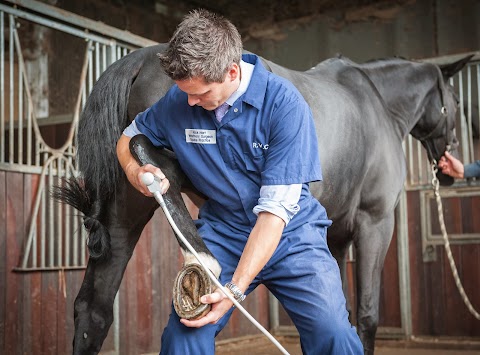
[(104, 58), (97, 61), (83, 22), (410, 158), (90, 69), (403, 264), (56, 268), (58, 217), (29, 134), (418, 149), (55, 25), (42, 225), (113, 52), (20, 106), (463, 125), (477, 66), (48, 218), (469, 113), (67, 210), (11, 89)]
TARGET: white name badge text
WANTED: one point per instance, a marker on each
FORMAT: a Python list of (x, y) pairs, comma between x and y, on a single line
[(201, 136)]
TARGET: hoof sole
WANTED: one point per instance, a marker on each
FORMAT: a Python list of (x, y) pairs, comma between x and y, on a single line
[(191, 283)]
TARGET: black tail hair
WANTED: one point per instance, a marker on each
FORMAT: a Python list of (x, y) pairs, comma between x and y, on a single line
[(101, 123), (74, 193)]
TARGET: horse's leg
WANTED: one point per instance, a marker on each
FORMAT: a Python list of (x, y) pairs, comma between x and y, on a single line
[(145, 153), (339, 252), (373, 239), (94, 302)]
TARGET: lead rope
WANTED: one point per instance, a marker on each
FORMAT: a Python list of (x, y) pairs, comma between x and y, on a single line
[(436, 188), (149, 179)]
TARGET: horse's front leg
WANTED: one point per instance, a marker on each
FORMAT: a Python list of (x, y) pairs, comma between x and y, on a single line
[(339, 252), (371, 246)]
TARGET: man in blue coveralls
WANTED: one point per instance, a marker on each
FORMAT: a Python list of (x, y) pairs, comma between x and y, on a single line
[(254, 164)]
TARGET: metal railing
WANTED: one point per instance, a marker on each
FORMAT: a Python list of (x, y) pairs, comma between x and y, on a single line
[(55, 238)]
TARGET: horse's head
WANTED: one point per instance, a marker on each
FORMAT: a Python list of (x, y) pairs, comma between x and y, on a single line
[(435, 128)]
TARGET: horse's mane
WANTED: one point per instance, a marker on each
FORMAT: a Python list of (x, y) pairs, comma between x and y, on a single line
[(101, 123)]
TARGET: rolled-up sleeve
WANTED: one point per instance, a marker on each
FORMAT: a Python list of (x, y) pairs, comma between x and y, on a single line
[(132, 130), (280, 200), (472, 170)]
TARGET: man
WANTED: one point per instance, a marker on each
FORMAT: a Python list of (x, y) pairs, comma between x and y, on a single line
[(455, 168), (254, 165)]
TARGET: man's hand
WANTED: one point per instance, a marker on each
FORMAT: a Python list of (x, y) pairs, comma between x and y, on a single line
[(134, 174), (451, 166), (220, 305), (134, 171)]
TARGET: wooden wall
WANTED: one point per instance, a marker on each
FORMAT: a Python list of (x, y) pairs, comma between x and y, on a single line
[(437, 307), (36, 308)]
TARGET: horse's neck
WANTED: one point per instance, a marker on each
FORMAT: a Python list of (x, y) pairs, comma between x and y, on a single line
[(404, 87)]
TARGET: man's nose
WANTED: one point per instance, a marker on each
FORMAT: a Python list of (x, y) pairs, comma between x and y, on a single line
[(193, 101)]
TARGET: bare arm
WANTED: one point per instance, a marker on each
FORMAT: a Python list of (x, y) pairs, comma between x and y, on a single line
[(134, 171), (261, 244)]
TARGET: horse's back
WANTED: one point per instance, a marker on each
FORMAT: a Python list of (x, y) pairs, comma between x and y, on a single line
[(358, 144)]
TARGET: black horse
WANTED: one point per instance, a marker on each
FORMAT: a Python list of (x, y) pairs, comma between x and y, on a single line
[(362, 114)]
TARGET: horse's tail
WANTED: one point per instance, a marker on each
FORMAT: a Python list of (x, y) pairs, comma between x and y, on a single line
[(101, 123), (73, 192)]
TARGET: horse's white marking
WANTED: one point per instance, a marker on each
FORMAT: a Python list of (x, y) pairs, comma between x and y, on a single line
[(208, 260)]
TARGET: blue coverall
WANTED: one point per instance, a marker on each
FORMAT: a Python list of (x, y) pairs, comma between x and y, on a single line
[(266, 138)]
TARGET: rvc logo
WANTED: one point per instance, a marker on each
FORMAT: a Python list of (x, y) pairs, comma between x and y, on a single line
[(256, 145)]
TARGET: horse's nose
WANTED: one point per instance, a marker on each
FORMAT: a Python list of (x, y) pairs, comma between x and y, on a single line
[(454, 143)]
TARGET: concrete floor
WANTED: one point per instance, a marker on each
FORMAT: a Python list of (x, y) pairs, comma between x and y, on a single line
[(262, 346)]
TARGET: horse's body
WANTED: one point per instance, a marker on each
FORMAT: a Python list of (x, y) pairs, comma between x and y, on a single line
[(362, 114)]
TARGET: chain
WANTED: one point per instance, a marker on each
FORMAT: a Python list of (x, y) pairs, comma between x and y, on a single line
[(436, 188)]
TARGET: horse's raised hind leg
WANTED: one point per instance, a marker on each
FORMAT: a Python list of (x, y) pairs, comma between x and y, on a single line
[(145, 153), (373, 239), (94, 302), (192, 281)]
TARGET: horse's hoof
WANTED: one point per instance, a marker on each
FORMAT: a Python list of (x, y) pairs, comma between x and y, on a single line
[(191, 283)]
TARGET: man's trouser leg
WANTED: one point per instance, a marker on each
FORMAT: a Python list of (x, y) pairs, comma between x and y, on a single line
[(306, 280)]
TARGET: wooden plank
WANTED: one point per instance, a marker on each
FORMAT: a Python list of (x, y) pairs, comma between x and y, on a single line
[(36, 314), (35, 284), (418, 281), (470, 281), (73, 283), (49, 299), (390, 290), (143, 287), (14, 223), (3, 260), (61, 319), (26, 279)]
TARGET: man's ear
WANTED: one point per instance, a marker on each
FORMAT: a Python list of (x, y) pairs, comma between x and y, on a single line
[(234, 72)]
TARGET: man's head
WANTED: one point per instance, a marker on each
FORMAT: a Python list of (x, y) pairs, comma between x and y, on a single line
[(204, 45)]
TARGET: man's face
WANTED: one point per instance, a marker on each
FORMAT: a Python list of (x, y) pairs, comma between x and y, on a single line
[(210, 95)]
